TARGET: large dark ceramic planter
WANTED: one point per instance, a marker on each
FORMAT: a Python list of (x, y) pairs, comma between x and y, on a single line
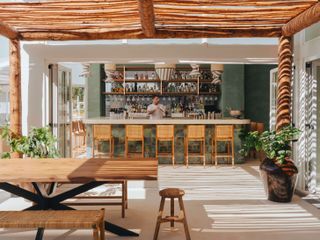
[(279, 180)]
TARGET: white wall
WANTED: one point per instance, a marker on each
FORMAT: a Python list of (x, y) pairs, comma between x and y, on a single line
[(155, 53), (4, 60), (4, 46)]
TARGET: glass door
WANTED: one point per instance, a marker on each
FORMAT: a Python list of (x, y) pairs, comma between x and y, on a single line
[(311, 127), (273, 98), (316, 76), (61, 107)]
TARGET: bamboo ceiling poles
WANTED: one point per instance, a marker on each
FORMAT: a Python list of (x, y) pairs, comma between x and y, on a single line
[(304, 20), (63, 20), (146, 11), (283, 117), (15, 89)]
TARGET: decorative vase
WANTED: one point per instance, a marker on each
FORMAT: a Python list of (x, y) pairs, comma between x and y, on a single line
[(165, 71), (217, 71), (110, 70), (195, 72), (279, 180)]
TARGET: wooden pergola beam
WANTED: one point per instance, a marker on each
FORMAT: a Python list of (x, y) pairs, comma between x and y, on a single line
[(15, 89), (285, 53), (302, 21), (161, 33), (8, 32), (147, 18), (284, 3)]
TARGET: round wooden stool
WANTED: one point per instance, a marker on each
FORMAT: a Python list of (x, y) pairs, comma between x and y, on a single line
[(172, 193)]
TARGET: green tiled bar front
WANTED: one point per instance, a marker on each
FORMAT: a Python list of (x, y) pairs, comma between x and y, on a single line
[(118, 132)]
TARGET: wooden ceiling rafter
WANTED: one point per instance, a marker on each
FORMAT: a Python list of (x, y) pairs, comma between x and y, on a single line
[(146, 11)]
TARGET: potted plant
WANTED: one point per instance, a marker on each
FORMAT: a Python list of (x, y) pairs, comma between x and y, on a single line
[(40, 143), (277, 170)]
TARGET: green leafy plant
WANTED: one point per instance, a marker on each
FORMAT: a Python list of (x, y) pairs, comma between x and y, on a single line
[(276, 145), (250, 141), (40, 143)]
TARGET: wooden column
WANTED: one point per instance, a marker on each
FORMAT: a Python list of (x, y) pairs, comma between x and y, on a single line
[(15, 89), (284, 82)]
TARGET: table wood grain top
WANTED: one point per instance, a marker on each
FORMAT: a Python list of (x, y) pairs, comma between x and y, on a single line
[(70, 170)]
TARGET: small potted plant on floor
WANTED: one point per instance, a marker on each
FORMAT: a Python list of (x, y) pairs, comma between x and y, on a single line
[(278, 171)]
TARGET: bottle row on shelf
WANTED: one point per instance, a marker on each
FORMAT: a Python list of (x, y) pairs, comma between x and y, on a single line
[(175, 75), (136, 106), (157, 88)]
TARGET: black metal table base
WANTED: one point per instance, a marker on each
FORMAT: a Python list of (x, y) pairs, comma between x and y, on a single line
[(44, 201)]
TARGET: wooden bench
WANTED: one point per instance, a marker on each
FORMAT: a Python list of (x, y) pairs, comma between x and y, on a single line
[(50, 219), (103, 200)]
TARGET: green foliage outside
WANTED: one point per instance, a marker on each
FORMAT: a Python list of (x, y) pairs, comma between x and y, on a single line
[(40, 143)]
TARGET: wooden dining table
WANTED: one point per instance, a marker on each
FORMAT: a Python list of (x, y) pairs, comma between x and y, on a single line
[(83, 174)]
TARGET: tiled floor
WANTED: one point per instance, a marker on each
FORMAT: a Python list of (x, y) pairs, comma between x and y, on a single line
[(222, 203)]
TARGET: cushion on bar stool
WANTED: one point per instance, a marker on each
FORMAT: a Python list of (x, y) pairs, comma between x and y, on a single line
[(171, 192)]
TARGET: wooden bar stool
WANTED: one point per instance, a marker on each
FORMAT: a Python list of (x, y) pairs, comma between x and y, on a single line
[(172, 193), (134, 133), (82, 132), (165, 133), (75, 138), (253, 128), (223, 133), (260, 129), (102, 133), (195, 133)]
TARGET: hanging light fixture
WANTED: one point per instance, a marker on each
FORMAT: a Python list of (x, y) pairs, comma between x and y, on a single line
[(217, 70), (165, 71), (195, 72), (110, 70)]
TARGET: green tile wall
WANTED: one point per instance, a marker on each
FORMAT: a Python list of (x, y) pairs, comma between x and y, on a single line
[(94, 100), (232, 88), (257, 92)]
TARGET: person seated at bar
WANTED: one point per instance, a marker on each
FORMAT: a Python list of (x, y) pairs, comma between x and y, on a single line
[(156, 110)]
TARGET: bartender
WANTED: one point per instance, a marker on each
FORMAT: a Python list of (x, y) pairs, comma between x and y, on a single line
[(156, 110)]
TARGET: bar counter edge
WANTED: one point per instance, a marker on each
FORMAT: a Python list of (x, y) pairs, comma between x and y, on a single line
[(104, 120)]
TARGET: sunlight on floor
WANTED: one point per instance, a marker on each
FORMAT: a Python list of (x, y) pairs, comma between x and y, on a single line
[(261, 217), (213, 183)]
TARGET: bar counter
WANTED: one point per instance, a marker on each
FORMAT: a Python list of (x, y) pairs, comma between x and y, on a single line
[(118, 132), (174, 121)]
